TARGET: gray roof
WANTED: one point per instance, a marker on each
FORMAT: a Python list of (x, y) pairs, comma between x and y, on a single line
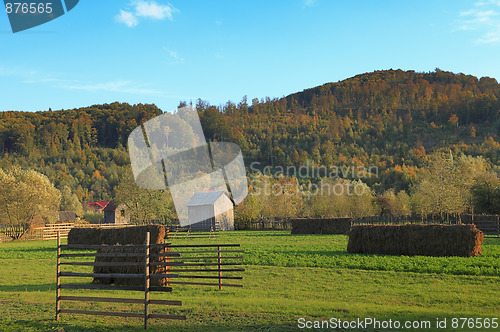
[(205, 198), (67, 215)]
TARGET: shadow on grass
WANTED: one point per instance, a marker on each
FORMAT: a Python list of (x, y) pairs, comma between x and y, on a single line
[(423, 320), (275, 233), (53, 325), (329, 253), (37, 250), (28, 288), (261, 233), (492, 241)]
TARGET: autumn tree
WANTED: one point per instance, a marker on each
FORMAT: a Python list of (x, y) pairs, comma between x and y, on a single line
[(70, 201), (394, 204), (341, 198), (486, 194), (145, 204), (25, 194), (446, 188)]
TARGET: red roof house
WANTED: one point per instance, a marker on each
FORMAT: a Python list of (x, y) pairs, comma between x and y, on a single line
[(98, 207)]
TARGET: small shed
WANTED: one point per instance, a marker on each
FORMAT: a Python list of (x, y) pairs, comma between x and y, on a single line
[(210, 210), (67, 216), (115, 213)]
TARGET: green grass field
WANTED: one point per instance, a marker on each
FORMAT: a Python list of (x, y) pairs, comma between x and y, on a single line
[(287, 277)]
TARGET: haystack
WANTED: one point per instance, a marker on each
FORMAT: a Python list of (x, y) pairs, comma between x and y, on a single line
[(416, 239), (125, 236), (112, 236)]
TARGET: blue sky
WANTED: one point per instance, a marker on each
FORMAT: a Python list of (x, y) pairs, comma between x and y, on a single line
[(162, 52)]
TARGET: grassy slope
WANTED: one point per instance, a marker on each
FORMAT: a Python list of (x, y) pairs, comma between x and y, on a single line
[(287, 277)]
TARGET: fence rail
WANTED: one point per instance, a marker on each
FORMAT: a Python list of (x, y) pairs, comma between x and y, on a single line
[(270, 224), (185, 232), (200, 265), (47, 232), (146, 315), (489, 224)]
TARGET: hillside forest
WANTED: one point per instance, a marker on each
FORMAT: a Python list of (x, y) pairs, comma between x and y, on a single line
[(426, 143)]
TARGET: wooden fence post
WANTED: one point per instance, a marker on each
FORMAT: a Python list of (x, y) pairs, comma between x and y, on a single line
[(58, 279), (219, 260), (146, 281), (498, 226)]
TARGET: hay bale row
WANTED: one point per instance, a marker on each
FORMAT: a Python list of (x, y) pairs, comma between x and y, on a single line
[(321, 225), (416, 239), (135, 235)]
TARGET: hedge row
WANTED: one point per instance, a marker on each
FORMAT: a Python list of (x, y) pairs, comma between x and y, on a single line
[(416, 239), (321, 226)]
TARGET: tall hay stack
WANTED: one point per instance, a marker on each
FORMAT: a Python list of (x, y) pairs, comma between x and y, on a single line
[(411, 239), (124, 236)]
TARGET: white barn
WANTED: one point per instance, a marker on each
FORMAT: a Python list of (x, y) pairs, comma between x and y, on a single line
[(210, 210)]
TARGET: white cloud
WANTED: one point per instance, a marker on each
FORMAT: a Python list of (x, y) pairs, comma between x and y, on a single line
[(174, 57), (57, 80), (484, 17), (17, 71), (490, 38), (145, 10), (153, 10), (113, 86), (309, 3), (127, 18)]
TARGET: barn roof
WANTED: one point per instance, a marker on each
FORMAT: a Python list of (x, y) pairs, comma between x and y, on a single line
[(101, 204), (205, 198), (111, 207), (67, 216)]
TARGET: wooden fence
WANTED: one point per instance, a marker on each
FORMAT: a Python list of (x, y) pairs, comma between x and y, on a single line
[(50, 231), (488, 224), (205, 261), (202, 262), (270, 224), (179, 232), (9, 232), (412, 219), (146, 301)]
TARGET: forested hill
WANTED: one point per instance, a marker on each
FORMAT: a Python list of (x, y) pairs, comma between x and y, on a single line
[(83, 149), (425, 97), (100, 125), (391, 119)]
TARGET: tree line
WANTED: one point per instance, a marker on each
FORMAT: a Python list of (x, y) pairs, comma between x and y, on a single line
[(397, 121)]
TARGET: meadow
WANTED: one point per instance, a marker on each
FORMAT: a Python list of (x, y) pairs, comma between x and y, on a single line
[(287, 277)]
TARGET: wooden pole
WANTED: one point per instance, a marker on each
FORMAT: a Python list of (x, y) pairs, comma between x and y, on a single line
[(146, 281), (58, 278), (219, 259), (498, 226)]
